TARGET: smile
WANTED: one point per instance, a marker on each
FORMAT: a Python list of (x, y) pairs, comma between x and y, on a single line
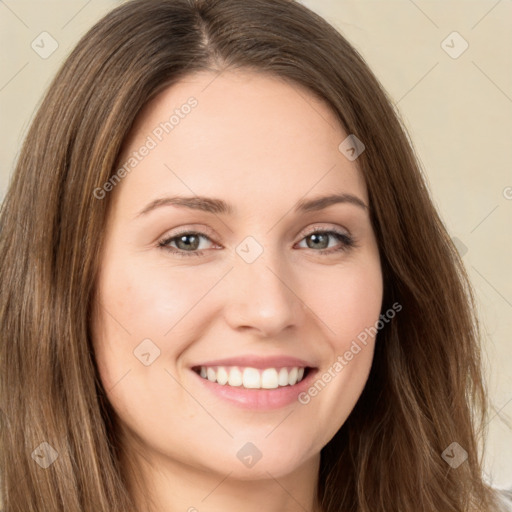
[(252, 378)]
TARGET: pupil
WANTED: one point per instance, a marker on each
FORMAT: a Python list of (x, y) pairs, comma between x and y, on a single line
[(316, 236), (192, 245)]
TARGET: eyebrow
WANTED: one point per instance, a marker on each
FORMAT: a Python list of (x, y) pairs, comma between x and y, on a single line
[(219, 206)]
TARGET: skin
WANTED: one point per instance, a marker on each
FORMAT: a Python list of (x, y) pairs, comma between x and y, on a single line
[(261, 145)]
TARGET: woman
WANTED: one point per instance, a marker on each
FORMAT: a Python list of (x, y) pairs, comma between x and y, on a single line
[(174, 338)]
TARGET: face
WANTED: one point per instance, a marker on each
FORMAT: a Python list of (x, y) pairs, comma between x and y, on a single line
[(253, 288)]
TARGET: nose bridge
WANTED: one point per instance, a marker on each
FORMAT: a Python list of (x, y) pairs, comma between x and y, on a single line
[(261, 294)]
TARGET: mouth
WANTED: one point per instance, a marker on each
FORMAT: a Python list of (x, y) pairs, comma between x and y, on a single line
[(256, 383), (254, 378)]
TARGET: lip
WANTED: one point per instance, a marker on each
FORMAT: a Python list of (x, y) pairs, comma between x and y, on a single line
[(258, 399), (259, 362)]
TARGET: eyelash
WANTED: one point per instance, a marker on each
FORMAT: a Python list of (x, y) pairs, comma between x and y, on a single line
[(347, 242)]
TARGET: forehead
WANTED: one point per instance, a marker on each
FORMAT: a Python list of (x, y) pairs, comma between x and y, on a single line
[(251, 132)]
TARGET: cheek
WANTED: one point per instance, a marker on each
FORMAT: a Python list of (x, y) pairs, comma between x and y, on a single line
[(147, 301), (127, 316), (349, 308), (141, 301), (347, 301)]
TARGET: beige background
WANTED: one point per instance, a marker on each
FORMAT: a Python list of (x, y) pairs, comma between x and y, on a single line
[(458, 112)]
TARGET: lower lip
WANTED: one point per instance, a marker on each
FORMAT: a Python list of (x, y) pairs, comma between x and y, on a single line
[(263, 399)]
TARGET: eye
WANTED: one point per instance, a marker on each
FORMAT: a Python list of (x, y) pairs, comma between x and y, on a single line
[(188, 243), (320, 238)]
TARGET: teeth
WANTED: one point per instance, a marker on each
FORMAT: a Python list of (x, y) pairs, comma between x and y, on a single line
[(222, 375), (292, 376), (235, 377), (282, 379), (252, 378), (269, 378)]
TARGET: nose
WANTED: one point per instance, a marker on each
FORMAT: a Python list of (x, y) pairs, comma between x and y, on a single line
[(263, 296)]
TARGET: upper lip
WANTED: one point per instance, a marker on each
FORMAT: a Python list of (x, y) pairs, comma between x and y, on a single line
[(254, 361)]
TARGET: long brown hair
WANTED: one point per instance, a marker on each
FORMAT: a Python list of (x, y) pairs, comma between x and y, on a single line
[(426, 387)]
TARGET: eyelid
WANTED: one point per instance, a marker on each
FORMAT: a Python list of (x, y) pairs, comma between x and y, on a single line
[(211, 234), (324, 227), (192, 228)]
